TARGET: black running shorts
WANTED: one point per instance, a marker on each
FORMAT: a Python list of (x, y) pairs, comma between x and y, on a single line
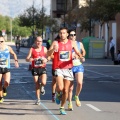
[(4, 70), (53, 73), (38, 71)]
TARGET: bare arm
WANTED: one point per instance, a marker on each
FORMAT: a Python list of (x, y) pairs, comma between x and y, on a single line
[(76, 49), (83, 50), (14, 56), (45, 59)]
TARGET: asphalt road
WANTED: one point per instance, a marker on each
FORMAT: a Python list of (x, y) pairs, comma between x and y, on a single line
[(100, 96)]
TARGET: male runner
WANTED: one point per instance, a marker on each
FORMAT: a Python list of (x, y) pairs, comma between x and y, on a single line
[(37, 55), (62, 50)]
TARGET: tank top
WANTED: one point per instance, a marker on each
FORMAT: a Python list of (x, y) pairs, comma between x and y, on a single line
[(5, 58), (53, 62), (63, 57), (38, 56), (76, 62)]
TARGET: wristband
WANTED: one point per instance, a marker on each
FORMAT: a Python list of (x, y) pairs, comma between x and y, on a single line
[(16, 60)]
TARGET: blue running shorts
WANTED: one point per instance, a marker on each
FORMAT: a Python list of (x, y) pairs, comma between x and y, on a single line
[(77, 69)]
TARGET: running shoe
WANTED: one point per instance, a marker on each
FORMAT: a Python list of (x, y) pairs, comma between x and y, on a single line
[(70, 106), (42, 90), (1, 100), (62, 111), (57, 99), (4, 91), (78, 103), (53, 97), (37, 102)]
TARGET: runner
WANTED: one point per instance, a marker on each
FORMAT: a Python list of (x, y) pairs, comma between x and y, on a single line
[(37, 55), (17, 42), (53, 74), (5, 52), (78, 71), (62, 50)]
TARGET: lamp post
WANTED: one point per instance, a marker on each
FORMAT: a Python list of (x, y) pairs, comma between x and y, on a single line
[(65, 9), (42, 19), (11, 28), (90, 21), (33, 19)]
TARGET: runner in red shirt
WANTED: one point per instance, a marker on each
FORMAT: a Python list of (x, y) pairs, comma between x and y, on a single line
[(62, 50), (37, 55)]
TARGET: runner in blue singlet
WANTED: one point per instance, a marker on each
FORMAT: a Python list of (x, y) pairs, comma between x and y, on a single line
[(78, 71)]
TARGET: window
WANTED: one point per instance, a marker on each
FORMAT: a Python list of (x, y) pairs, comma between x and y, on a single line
[(74, 3), (61, 5)]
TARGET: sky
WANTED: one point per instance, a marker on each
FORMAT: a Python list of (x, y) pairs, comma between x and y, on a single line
[(13, 8)]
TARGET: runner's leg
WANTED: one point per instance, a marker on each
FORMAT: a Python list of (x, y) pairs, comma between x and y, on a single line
[(70, 107), (6, 78), (53, 87), (79, 79), (37, 86), (65, 92), (43, 78)]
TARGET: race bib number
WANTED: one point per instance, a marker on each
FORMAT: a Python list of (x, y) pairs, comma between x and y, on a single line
[(3, 63), (64, 55), (38, 62)]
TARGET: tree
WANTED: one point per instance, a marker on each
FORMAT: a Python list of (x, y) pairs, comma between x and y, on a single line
[(36, 19), (5, 23)]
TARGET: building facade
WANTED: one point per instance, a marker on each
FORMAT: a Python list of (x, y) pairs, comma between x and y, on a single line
[(59, 9)]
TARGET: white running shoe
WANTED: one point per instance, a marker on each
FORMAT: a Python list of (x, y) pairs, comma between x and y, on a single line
[(37, 102)]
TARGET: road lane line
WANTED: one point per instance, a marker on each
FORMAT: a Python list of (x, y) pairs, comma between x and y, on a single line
[(54, 116), (99, 73), (49, 111), (93, 107)]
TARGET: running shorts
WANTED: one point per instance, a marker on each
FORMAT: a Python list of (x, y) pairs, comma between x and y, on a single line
[(67, 74), (38, 71), (77, 69), (4, 70), (53, 72)]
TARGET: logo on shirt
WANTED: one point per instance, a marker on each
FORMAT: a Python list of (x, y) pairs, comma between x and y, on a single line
[(64, 55)]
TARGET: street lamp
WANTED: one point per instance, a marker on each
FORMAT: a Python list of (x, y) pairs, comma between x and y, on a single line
[(11, 28), (33, 18), (90, 21), (65, 10), (42, 19)]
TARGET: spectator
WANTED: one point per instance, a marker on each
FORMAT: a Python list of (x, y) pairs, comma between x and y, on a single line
[(17, 42), (48, 43), (112, 48)]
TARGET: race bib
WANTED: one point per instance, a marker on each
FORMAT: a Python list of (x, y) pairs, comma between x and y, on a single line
[(64, 55), (38, 62), (3, 63)]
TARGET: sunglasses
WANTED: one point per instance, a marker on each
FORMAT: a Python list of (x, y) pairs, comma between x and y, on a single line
[(72, 34), (1, 41)]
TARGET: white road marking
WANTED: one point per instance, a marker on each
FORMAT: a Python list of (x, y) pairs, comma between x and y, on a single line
[(93, 107), (108, 82), (99, 73)]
